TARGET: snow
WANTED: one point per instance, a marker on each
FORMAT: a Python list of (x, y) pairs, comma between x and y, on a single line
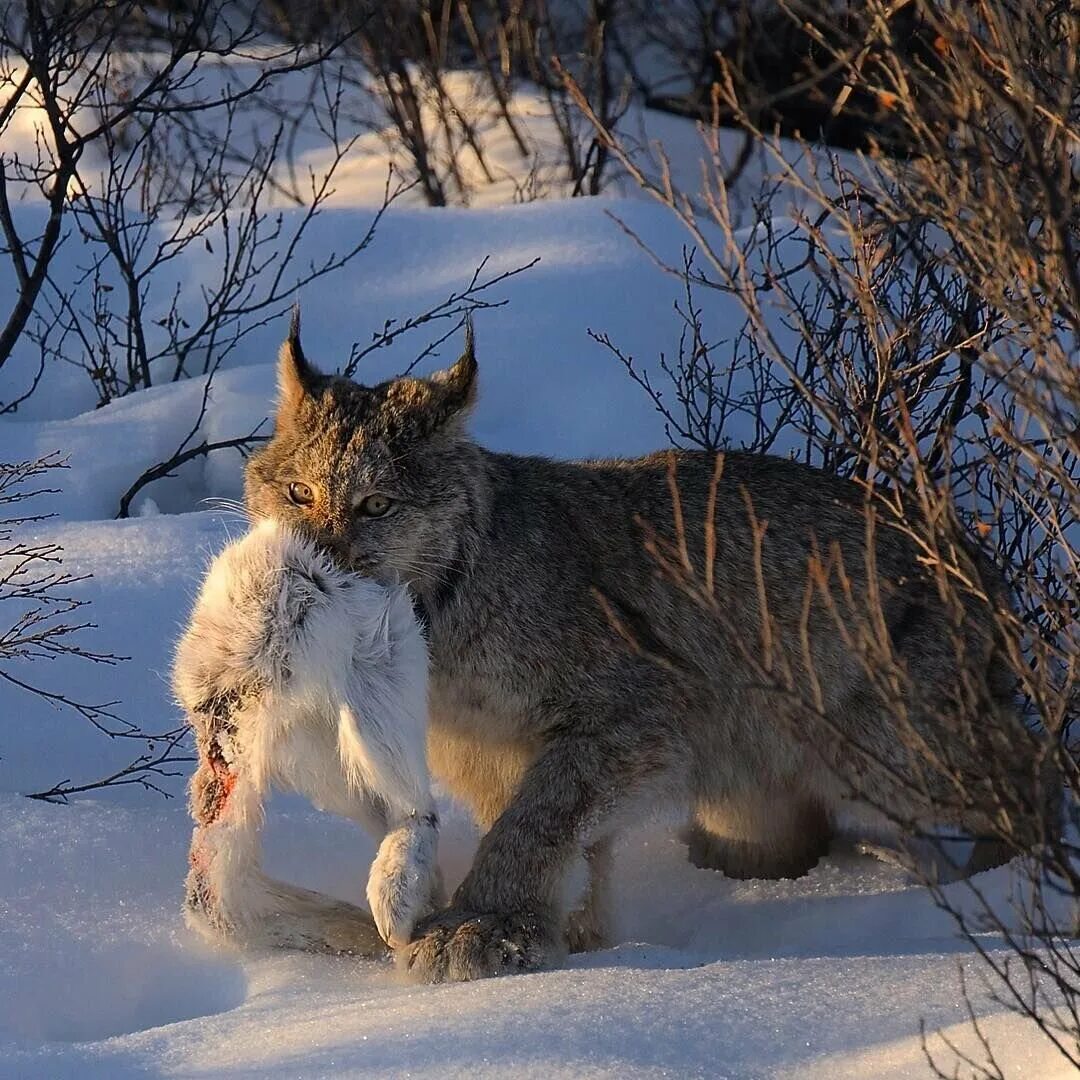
[(825, 977), (307, 104)]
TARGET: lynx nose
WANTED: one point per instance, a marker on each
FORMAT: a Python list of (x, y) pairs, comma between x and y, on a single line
[(332, 540), (338, 548)]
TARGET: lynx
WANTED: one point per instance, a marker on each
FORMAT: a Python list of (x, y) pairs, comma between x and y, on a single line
[(298, 674), (545, 720)]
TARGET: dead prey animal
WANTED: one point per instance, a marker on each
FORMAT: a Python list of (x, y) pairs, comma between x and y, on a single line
[(300, 676)]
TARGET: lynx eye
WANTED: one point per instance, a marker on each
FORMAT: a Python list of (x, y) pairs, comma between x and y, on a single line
[(301, 494), (374, 506)]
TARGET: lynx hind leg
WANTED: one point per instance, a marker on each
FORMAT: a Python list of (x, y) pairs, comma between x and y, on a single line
[(759, 835), (588, 928)]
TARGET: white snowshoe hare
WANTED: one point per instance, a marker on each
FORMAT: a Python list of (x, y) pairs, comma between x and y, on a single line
[(298, 675)]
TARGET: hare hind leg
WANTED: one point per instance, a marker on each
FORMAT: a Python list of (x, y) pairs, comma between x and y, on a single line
[(761, 834), (229, 898)]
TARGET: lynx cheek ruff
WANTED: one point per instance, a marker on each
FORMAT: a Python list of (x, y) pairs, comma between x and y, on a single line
[(298, 675)]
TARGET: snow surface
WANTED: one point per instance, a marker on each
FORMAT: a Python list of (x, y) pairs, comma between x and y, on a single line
[(826, 977), (310, 103)]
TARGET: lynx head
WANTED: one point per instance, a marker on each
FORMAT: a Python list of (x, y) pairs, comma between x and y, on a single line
[(382, 476)]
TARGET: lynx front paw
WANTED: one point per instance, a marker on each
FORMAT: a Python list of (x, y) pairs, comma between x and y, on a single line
[(457, 946)]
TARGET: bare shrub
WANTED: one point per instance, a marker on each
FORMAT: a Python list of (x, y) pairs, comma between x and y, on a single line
[(914, 323), (454, 85), (43, 620), (138, 159)]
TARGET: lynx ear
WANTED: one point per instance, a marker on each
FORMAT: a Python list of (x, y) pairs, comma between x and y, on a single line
[(297, 379), (455, 388)]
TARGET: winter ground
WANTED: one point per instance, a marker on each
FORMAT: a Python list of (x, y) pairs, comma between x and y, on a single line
[(826, 977), (821, 978)]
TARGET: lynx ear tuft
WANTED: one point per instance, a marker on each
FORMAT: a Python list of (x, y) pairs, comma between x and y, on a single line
[(297, 379), (455, 388)]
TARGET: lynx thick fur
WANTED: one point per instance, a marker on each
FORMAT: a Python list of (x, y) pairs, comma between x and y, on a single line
[(576, 688), (298, 675)]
